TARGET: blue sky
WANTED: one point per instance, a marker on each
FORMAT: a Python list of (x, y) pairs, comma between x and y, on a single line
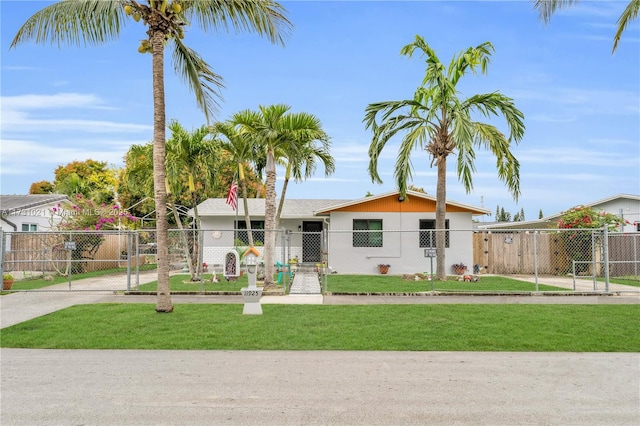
[(581, 103)]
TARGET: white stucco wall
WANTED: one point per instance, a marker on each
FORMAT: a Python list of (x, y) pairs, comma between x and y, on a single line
[(401, 245), (629, 209), (40, 216), (219, 239)]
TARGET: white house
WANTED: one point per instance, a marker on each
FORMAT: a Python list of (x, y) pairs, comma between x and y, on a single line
[(625, 206), (28, 213), (381, 229)]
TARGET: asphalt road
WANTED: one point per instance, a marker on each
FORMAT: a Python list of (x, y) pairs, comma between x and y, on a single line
[(70, 387)]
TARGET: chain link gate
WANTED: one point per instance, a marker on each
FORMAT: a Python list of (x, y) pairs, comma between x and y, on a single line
[(107, 256)]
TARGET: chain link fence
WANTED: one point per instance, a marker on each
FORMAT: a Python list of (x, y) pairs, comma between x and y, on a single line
[(46, 255), (578, 260)]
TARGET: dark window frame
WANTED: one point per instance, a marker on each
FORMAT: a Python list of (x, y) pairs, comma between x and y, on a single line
[(31, 227), (257, 231), (427, 237), (369, 238)]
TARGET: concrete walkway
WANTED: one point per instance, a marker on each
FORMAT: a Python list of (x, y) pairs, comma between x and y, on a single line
[(581, 284)]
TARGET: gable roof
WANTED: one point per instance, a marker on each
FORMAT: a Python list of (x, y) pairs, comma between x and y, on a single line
[(550, 221), (9, 204), (598, 203), (292, 208), (310, 208), (391, 202)]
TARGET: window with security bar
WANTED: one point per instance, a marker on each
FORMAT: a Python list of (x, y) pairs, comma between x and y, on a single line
[(428, 233), (257, 231), (369, 238)]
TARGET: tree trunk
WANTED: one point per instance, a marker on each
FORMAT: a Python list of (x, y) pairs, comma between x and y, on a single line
[(441, 209), (284, 191), (163, 299), (196, 275), (247, 219), (270, 221), (183, 237)]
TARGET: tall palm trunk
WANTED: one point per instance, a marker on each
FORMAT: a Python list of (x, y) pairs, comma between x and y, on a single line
[(441, 208), (196, 261), (287, 176), (270, 225), (183, 237), (163, 300), (243, 188)]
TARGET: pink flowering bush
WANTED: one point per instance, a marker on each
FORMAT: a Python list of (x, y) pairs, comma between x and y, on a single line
[(585, 222), (85, 217), (582, 217)]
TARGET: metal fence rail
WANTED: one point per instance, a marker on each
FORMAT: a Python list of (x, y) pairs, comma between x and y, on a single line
[(589, 260)]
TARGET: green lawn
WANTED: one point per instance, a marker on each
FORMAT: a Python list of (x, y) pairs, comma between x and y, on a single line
[(392, 284), (544, 328), (629, 280), (180, 283), (365, 284)]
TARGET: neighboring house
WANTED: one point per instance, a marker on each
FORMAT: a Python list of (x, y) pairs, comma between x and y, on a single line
[(404, 235), (28, 213), (624, 205)]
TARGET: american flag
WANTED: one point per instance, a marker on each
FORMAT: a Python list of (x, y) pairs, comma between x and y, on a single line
[(232, 196)]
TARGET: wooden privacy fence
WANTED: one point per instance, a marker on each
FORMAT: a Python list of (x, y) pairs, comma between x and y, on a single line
[(624, 254), (500, 252), (47, 252), (516, 252)]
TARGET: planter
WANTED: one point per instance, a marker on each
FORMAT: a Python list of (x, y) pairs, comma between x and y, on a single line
[(7, 284), (383, 269), (459, 268)]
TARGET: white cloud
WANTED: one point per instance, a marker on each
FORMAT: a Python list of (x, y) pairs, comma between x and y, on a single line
[(19, 114), (575, 157), (20, 122), (583, 101), (69, 100), (15, 153)]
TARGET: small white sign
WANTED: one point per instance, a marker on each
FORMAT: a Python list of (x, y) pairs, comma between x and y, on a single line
[(430, 252), (69, 245)]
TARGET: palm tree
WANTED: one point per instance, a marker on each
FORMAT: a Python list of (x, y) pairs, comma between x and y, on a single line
[(547, 8), (300, 160), (83, 22), (241, 152), (138, 177), (274, 130), (438, 121), (193, 155)]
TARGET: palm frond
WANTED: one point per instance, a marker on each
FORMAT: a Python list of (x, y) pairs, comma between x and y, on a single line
[(629, 14), (265, 17), (466, 166), (498, 104), (547, 8), (74, 22), (507, 165), (199, 77)]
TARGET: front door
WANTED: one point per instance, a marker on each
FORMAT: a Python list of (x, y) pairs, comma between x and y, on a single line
[(311, 241)]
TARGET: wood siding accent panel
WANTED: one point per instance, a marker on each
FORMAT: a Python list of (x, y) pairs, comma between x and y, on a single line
[(390, 204)]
